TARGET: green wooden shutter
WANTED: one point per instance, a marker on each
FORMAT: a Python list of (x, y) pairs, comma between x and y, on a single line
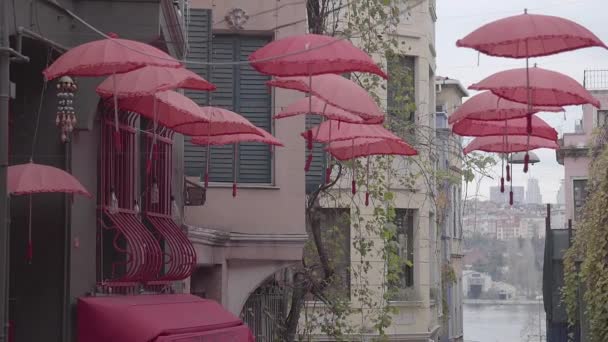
[(199, 41), (254, 103)]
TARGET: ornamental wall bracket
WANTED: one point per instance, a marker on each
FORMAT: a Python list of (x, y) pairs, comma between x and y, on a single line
[(236, 18)]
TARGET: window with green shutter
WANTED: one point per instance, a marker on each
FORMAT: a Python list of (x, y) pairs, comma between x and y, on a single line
[(240, 89)]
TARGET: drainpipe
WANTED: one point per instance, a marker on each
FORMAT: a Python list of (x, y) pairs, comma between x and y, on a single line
[(5, 56)]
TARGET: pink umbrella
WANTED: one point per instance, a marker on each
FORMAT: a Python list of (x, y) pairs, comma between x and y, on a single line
[(366, 147), (529, 35), (331, 131), (488, 107), (108, 56), (514, 144), (150, 80), (262, 137), (513, 127), (30, 178), (322, 108), (312, 54), (335, 90), (547, 88)]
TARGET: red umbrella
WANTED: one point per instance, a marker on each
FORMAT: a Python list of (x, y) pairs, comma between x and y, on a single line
[(513, 127), (263, 137), (322, 108), (488, 107), (363, 147), (529, 35), (30, 178), (547, 88), (312, 54), (335, 90), (150, 80), (513, 144)]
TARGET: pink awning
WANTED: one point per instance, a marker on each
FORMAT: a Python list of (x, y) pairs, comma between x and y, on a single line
[(148, 318)]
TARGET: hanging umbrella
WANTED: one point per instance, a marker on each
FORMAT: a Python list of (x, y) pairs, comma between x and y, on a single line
[(547, 88), (235, 139), (488, 107), (150, 80), (529, 35), (328, 111), (220, 122), (105, 57), (366, 147), (335, 90), (30, 178), (519, 158), (514, 144), (331, 131), (312, 54), (478, 128)]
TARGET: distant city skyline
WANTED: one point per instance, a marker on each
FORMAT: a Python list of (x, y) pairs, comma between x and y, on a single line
[(533, 195)]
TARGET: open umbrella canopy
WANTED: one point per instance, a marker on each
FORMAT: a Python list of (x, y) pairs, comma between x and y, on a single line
[(217, 140), (335, 90), (106, 57), (31, 178), (478, 128), (547, 88), (488, 107), (520, 158), (312, 54), (322, 108), (151, 79), (363, 147), (500, 144), (220, 122), (330, 131), (529, 35)]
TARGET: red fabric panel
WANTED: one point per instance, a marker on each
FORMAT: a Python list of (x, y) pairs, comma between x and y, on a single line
[(144, 318)]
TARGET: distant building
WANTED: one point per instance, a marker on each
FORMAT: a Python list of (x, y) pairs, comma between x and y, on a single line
[(533, 195), (503, 197), (561, 193)]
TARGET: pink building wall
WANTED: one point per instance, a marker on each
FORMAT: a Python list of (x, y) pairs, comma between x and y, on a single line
[(577, 167)]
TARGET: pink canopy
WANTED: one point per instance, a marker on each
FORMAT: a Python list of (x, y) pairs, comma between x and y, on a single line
[(510, 144), (488, 107), (335, 90), (312, 54), (547, 88), (330, 131), (151, 79), (477, 128), (30, 178), (106, 57), (363, 147), (263, 137), (322, 108), (529, 35), (220, 122)]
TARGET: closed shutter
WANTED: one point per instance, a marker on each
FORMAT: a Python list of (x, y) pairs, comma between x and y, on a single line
[(199, 41), (316, 174)]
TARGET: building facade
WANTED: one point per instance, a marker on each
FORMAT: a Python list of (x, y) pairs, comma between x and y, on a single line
[(503, 197), (449, 97), (533, 195)]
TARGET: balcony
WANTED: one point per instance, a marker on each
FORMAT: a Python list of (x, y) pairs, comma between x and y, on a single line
[(595, 80)]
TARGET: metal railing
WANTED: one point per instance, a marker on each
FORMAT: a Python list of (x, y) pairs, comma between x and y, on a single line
[(595, 79)]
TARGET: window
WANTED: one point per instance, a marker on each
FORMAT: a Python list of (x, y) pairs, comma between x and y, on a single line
[(335, 234), (401, 100), (242, 90), (579, 188), (404, 220)]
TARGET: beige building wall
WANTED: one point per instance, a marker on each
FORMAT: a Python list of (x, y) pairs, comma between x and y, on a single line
[(241, 241)]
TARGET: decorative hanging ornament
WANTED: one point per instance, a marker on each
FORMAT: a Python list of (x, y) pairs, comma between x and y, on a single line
[(66, 116)]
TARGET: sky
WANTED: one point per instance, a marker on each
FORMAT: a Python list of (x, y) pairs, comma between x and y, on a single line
[(457, 18)]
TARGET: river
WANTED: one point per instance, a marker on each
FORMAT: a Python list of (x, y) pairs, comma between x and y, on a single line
[(503, 323)]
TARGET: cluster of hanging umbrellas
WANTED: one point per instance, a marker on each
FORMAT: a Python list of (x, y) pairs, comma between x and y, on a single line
[(352, 126), (502, 119)]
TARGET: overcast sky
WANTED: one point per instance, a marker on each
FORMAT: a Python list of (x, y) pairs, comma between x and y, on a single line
[(457, 18)]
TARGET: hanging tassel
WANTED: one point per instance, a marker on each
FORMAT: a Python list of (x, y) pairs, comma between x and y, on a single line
[(511, 197), (309, 139), (206, 180), (529, 123), (366, 198), (502, 184), (308, 162), (236, 151), (234, 189), (328, 175), (207, 158), (526, 162), (508, 173), (367, 183), (353, 187)]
